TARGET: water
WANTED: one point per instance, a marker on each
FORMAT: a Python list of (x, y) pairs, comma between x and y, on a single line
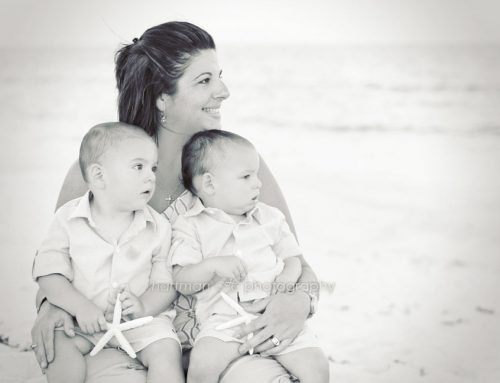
[(418, 89), (65, 90)]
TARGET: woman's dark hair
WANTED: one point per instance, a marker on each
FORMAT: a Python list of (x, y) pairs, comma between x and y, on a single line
[(201, 152), (152, 65)]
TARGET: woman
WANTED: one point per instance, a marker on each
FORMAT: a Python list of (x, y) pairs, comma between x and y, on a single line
[(169, 83)]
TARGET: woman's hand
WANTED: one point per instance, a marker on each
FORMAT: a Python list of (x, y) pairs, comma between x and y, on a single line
[(42, 334), (283, 318)]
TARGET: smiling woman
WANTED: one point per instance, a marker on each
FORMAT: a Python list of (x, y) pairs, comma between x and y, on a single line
[(169, 84), (200, 92)]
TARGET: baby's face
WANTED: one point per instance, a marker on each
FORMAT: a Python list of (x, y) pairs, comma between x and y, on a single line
[(129, 169), (237, 186)]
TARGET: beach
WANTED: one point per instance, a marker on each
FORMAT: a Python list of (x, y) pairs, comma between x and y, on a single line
[(389, 161)]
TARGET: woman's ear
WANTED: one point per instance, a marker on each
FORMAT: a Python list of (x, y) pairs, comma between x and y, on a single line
[(95, 175), (162, 102)]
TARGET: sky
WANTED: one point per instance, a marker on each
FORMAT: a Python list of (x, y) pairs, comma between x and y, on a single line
[(101, 22)]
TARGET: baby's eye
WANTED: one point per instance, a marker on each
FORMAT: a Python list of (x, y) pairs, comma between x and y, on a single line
[(154, 169), (246, 176), (138, 167)]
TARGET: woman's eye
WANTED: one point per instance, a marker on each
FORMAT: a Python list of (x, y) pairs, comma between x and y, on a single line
[(154, 169), (138, 167), (205, 80), (247, 176)]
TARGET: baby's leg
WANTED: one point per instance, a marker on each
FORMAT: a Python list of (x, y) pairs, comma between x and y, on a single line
[(308, 364), (69, 364), (209, 358), (163, 360)]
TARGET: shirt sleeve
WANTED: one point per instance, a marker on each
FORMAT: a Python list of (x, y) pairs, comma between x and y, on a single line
[(186, 249), (285, 244), (53, 256), (161, 270)]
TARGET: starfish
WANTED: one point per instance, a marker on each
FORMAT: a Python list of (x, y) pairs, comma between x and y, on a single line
[(244, 317), (115, 330)]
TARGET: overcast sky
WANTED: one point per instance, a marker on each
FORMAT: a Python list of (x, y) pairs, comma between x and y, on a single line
[(102, 22)]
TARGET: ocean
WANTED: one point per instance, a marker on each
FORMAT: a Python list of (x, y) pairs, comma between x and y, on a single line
[(420, 89)]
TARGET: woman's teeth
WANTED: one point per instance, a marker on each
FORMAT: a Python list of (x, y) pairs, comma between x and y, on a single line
[(212, 110)]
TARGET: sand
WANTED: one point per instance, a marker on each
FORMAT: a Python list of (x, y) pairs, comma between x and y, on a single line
[(406, 225)]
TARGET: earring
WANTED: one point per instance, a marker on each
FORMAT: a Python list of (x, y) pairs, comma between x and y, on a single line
[(162, 118)]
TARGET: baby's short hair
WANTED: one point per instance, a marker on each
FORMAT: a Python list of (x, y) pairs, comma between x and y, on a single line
[(103, 136), (198, 154)]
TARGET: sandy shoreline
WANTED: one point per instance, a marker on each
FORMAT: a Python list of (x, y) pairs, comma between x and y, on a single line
[(412, 249)]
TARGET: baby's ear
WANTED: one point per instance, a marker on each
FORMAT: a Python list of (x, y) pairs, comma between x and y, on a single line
[(95, 176), (208, 184)]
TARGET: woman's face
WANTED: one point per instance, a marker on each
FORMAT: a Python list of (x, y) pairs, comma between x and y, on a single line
[(200, 92)]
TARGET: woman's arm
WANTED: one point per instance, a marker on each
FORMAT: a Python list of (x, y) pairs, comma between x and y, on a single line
[(73, 186), (271, 194), (285, 314)]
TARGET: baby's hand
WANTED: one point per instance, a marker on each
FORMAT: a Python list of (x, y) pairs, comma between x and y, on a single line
[(113, 293), (282, 284), (230, 267), (90, 318), (132, 306)]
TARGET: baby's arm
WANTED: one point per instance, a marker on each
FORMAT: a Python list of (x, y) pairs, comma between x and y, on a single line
[(153, 301), (192, 271), (286, 248), (53, 271), (292, 270), (60, 292), (192, 278)]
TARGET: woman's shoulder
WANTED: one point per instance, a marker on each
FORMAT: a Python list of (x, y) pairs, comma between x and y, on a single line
[(180, 206), (73, 185)]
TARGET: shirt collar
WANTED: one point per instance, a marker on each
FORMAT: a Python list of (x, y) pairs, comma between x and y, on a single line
[(198, 208), (82, 210)]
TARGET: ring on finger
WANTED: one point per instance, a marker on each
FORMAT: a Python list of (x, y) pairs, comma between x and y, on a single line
[(275, 341)]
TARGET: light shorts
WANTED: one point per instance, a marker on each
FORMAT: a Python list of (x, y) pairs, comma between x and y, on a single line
[(139, 337), (305, 339)]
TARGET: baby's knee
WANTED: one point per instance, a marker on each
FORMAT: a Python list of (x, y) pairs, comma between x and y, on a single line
[(323, 371), (162, 352), (204, 361), (318, 371), (64, 343)]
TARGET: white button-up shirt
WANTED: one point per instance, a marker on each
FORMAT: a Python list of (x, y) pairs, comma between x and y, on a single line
[(262, 240), (75, 249)]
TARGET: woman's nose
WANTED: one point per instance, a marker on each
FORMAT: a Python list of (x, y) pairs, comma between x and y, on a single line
[(221, 92)]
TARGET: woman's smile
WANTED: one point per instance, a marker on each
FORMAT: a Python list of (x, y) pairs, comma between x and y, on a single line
[(200, 93)]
